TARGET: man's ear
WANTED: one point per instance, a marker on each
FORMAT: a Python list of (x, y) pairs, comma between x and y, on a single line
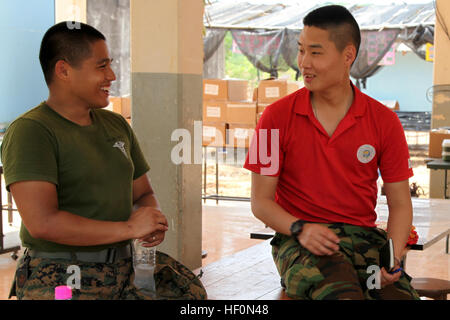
[(350, 54), (62, 70)]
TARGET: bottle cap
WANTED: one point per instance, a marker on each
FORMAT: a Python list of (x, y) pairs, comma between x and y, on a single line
[(63, 293)]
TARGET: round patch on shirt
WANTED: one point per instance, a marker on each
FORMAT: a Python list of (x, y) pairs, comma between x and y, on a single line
[(365, 153)]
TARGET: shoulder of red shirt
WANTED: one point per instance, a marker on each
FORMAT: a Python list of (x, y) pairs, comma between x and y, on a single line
[(280, 109), (376, 106)]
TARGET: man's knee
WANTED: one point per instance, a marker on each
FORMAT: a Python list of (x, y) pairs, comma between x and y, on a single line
[(326, 277), (340, 290), (340, 282)]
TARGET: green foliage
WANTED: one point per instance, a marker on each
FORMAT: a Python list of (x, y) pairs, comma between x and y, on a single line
[(238, 66)]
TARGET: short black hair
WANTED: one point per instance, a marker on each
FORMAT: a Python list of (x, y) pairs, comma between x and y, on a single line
[(339, 22), (68, 40)]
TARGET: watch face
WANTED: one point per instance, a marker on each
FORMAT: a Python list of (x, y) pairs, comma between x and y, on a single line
[(296, 227)]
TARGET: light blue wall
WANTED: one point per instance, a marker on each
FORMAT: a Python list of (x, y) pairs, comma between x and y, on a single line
[(407, 81), (22, 26)]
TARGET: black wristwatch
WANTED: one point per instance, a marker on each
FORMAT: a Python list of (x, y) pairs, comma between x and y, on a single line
[(296, 228)]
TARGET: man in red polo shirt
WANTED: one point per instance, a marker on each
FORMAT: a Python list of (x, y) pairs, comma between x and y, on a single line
[(316, 186)]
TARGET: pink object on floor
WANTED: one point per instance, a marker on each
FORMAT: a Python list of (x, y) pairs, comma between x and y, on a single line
[(63, 293)]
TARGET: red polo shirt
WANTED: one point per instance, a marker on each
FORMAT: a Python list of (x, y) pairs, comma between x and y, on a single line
[(325, 179)]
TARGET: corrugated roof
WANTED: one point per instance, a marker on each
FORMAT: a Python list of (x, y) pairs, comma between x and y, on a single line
[(243, 15)]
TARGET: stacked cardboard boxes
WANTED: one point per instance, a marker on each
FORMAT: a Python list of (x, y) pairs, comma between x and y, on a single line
[(227, 109), (270, 91), (222, 90), (241, 119), (215, 94), (240, 135), (214, 134), (225, 103)]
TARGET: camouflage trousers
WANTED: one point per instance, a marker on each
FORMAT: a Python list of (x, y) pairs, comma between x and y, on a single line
[(343, 275), (36, 279)]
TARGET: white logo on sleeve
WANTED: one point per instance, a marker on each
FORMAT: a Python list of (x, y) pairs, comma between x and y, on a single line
[(121, 146), (365, 153)]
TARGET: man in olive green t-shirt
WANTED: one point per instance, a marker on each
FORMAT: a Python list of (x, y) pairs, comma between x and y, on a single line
[(77, 175)]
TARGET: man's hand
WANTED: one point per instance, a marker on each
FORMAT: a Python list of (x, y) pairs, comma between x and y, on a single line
[(387, 278), (146, 223), (144, 197), (153, 239), (318, 239)]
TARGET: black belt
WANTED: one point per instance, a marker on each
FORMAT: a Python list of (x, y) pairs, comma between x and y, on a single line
[(110, 255)]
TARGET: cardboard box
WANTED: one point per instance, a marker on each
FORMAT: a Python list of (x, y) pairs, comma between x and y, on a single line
[(270, 91), (237, 90), (214, 134), (121, 105), (258, 116), (221, 89), (214, 111), (240, 135), (437, 136), (241, 112), (126, 107), (215, 89), (261, 107), (255, 94), (391, 104), (115, 104)]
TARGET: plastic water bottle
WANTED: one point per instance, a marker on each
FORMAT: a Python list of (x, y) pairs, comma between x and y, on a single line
[(144, 261)]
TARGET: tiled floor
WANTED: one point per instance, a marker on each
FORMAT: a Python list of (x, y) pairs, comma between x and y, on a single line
[(226, 229)]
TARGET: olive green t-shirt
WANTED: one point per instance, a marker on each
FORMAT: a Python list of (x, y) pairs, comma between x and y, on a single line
[(93, 167)]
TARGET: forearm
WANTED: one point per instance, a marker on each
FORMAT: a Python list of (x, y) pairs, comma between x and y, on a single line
[(273, 215), (147, 200), (399, 228), (400, 214), (66, 228)]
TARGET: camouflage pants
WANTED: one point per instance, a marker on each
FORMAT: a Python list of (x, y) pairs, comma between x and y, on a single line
[(36, 279), (342, 275)]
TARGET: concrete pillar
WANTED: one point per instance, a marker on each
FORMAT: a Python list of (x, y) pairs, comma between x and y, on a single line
[(441, 99), (70, 10), (166, 94)]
